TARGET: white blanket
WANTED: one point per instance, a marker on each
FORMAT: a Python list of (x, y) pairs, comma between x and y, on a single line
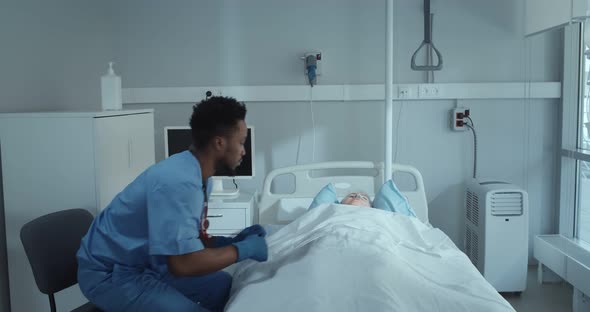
[(347, 258)]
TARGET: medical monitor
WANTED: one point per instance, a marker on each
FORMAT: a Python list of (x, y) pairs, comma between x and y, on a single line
[(179, 139)]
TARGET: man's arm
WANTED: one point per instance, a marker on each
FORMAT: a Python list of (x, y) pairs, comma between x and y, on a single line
[(202, 262), (222, 241), (210, 260), (217, 241)]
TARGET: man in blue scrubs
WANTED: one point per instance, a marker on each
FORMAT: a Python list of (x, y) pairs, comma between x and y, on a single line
[(148, 250)]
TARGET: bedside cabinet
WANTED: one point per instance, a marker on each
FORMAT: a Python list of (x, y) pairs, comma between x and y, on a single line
[(230, 215)]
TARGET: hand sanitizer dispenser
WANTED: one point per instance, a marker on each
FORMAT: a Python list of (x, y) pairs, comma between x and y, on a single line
[(110, 87)]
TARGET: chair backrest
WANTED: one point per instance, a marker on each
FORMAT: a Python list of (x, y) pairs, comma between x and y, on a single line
[(51, 243)]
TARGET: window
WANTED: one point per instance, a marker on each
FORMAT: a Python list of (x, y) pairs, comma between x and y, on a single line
[(584, 109), (583, 181), (576, 138), (583, 215)]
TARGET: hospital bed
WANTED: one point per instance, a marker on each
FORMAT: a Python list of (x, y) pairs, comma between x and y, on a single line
[(355, 176), (346, 258)]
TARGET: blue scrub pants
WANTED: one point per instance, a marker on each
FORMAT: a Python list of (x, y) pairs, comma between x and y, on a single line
[(147, 291)]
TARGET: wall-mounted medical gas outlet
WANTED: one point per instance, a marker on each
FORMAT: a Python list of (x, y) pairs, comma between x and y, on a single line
[(458, 118), (318, 58), (404, 92)]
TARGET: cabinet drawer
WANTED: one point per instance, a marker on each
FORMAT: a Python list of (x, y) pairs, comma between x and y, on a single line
[(227, 219)]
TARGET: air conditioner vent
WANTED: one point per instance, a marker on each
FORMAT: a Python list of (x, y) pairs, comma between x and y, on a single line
[(475, 246), (506, 204), (472, 208), (472, 245), (468, 242)]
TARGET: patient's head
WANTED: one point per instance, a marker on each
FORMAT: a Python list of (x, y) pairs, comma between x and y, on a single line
[(357, 199)]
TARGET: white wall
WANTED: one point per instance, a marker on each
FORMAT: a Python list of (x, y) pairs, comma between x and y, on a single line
[(258, 42), (52, 55)]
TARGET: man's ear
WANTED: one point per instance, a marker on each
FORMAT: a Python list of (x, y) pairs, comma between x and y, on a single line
[(219, 143)]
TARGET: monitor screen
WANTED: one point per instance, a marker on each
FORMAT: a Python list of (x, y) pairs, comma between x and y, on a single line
[(178, 139)]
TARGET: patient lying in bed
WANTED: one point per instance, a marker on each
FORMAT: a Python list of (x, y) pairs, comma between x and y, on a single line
[(388, 198), (342, 258), (357, 199)]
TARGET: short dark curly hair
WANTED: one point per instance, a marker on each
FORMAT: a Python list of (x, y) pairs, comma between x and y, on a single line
[(215, 116)]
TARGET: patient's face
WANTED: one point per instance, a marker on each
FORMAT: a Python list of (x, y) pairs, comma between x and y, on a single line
[(357, 199)]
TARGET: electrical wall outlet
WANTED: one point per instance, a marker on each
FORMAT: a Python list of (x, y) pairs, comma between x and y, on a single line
[(458, 118), (319, 60), (428, 91)]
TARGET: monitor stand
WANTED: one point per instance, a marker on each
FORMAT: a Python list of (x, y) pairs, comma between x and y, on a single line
[(218, 190)]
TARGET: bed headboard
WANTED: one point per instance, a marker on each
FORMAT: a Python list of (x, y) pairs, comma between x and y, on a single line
[(276, 208)]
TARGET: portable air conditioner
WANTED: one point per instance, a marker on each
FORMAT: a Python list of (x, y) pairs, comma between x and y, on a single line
[(496, 233)]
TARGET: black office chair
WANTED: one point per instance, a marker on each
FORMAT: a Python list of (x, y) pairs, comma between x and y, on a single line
[(51, 243)]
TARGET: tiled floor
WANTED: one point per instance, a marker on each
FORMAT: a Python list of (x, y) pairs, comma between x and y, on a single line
[(542, 298)]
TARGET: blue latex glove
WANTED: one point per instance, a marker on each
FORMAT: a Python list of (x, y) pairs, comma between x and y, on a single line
[(252, 247), (255, 229)]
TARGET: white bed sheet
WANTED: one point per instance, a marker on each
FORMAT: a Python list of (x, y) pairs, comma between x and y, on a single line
[(347, 258)]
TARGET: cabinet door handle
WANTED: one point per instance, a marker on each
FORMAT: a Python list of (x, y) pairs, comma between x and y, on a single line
[(215, 216)]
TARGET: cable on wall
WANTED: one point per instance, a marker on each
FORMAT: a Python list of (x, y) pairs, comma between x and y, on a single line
[(312, 123), (471, 127)]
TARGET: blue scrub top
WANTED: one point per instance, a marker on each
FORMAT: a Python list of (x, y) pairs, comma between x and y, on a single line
[(156, 215)]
